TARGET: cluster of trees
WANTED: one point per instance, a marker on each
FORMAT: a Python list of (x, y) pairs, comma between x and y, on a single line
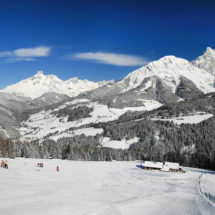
[(74, 113), (6, 148)]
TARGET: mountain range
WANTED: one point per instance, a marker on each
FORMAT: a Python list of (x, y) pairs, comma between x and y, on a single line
[(39, 84), (79, 119)]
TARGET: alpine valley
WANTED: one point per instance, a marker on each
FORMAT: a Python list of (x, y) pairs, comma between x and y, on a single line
[(162, 111)]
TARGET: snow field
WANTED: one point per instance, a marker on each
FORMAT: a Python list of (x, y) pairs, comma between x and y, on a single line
[(98, 188), (116, 144), (194, 119)]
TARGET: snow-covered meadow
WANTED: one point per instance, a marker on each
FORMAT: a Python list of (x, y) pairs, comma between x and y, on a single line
[(101, 188)]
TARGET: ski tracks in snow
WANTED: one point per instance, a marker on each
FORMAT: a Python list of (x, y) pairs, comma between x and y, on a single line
[(206, 195)]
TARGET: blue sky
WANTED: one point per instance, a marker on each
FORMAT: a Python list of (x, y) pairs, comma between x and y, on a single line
[(99, 40)]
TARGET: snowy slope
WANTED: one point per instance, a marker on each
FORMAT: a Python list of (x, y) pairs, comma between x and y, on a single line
[(48, 123), (206, 61), (48, 99), (207, 185), (169, 69), (99, 188), (39, 84)]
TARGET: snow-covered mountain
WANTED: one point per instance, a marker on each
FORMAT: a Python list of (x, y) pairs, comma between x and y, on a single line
[(39, 84), (166, 80), (169, 69), (206, 61)]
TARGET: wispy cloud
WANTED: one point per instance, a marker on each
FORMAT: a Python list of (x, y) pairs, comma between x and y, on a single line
[(6, 54), (41, 51), (25, 54), (111, 58), (19, 59)]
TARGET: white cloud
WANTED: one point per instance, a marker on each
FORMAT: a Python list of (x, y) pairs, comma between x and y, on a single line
[(111, 58), (41, 51), (26, 54)]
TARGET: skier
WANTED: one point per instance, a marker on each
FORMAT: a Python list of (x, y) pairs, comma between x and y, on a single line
[(6, 164), (57, 168), (2, 164)]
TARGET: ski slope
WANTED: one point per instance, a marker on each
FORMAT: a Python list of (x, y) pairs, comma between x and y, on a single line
[(99, 188)]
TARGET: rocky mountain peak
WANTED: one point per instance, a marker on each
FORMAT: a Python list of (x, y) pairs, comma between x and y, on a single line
[(209, 50), (206, 61), (40, 72), (170, 70)]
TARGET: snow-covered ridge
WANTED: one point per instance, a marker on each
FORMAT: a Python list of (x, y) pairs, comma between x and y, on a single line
[(170, 70), (39, 84)]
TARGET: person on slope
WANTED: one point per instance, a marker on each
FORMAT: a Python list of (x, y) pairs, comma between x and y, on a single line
[(6, 164), (2, 163), (57, 168)]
